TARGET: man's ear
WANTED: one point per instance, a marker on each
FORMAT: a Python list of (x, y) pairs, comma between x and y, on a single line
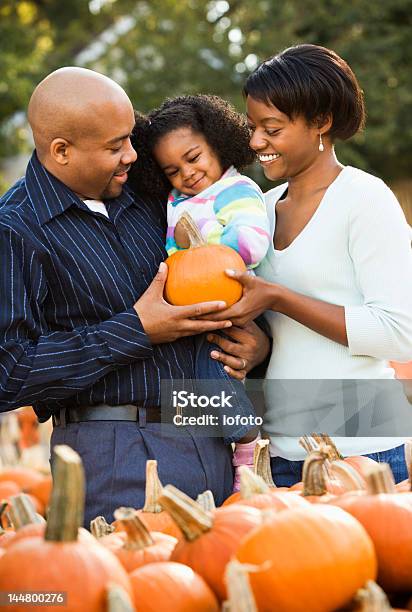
[(59, 151)]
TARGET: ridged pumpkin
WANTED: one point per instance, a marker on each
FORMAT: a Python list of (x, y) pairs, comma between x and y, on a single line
[(136, 546), (22, 476), (387, 517), (254, 492), (173, 587), (308, 560), (60, 562), (197, 274), (210, 538)]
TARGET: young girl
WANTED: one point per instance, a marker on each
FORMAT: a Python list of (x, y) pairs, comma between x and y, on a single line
[(190, 150)]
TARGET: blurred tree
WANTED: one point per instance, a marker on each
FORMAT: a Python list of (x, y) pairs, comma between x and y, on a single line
[(161, 48)]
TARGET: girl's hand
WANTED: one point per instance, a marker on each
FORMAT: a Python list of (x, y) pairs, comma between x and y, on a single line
[(258, 296), (247, 347)]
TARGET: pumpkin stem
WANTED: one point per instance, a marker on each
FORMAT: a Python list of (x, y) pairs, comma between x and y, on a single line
[(261, 462), (193, 232), (22, 511), (118, 600), (240, 596), (99, 527), (251, 484), (206, 501), (189, 515), (379, 479), (334, 454), (314, 473), (138, 536), (371, 598), (308, 443), (153, 488), (67, 499)]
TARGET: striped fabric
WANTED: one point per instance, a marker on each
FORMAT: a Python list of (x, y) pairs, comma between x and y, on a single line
[(68, 332), (232, 211)]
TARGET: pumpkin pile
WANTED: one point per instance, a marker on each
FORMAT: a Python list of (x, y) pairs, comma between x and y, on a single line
[(338, 541)]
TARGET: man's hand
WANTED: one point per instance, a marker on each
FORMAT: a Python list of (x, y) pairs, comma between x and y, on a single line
[(247, 347), (165, 323)]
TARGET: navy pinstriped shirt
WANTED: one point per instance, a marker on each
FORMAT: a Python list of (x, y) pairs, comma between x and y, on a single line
[(69, 335)]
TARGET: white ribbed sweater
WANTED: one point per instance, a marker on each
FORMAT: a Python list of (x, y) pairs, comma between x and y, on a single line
[(355, 252)]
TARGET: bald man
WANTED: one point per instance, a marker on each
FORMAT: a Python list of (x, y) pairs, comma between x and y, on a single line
[(85, 334)]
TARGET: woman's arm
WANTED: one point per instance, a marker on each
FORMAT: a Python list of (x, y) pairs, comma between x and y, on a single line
[(381, 324), (259, 295)]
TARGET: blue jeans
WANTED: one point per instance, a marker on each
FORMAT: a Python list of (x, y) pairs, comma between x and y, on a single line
[(287, 473)]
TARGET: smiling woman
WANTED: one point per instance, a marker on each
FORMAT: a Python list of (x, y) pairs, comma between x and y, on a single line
[(336, 280)]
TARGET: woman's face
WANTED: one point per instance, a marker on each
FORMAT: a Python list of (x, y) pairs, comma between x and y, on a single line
[(285, 148)]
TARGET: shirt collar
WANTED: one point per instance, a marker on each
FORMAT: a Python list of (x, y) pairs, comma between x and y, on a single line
[(50, 197)]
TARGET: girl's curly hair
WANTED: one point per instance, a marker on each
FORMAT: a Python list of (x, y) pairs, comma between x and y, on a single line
[(224, 129)]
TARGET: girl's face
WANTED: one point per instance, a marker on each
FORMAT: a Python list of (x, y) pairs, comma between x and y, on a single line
[(285, 148), (187, 160)]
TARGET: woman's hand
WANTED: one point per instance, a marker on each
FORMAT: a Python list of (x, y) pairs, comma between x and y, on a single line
[(258, 296), (248, 346)]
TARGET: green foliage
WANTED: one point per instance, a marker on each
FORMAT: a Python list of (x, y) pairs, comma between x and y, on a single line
[(162, 48)]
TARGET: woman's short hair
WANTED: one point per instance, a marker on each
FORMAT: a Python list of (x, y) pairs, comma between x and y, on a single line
[(312, 82)]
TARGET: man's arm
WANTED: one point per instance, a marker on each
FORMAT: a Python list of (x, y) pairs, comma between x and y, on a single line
[(247, 348), (37, 364)]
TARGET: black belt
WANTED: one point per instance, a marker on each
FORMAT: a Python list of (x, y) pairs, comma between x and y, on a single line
[(104, 412)]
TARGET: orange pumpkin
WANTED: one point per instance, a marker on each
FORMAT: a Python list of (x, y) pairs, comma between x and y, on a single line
[(323, 480), (173, 587), (152, 514), (8, 488), (22, 476), (387, 517), (308, 559), (358, 462), (197, 274), (254, 492), (84, 570), (210, 538), (42, 490), (135, 546)]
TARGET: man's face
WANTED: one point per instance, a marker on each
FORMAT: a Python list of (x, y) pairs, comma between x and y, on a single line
[(101, 155)]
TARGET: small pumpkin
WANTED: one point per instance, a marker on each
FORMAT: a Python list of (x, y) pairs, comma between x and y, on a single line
[(152, 513), (136, 546), (210, 538), (320, 483), (173, 587), (197, 274)]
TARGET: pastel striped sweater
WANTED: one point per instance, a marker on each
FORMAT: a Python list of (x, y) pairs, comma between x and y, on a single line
[(232, 211)]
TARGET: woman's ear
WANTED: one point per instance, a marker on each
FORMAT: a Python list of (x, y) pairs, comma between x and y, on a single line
[(59, 151), (324, 123)]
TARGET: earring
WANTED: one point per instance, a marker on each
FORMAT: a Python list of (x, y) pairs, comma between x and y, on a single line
[(321, 147)]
